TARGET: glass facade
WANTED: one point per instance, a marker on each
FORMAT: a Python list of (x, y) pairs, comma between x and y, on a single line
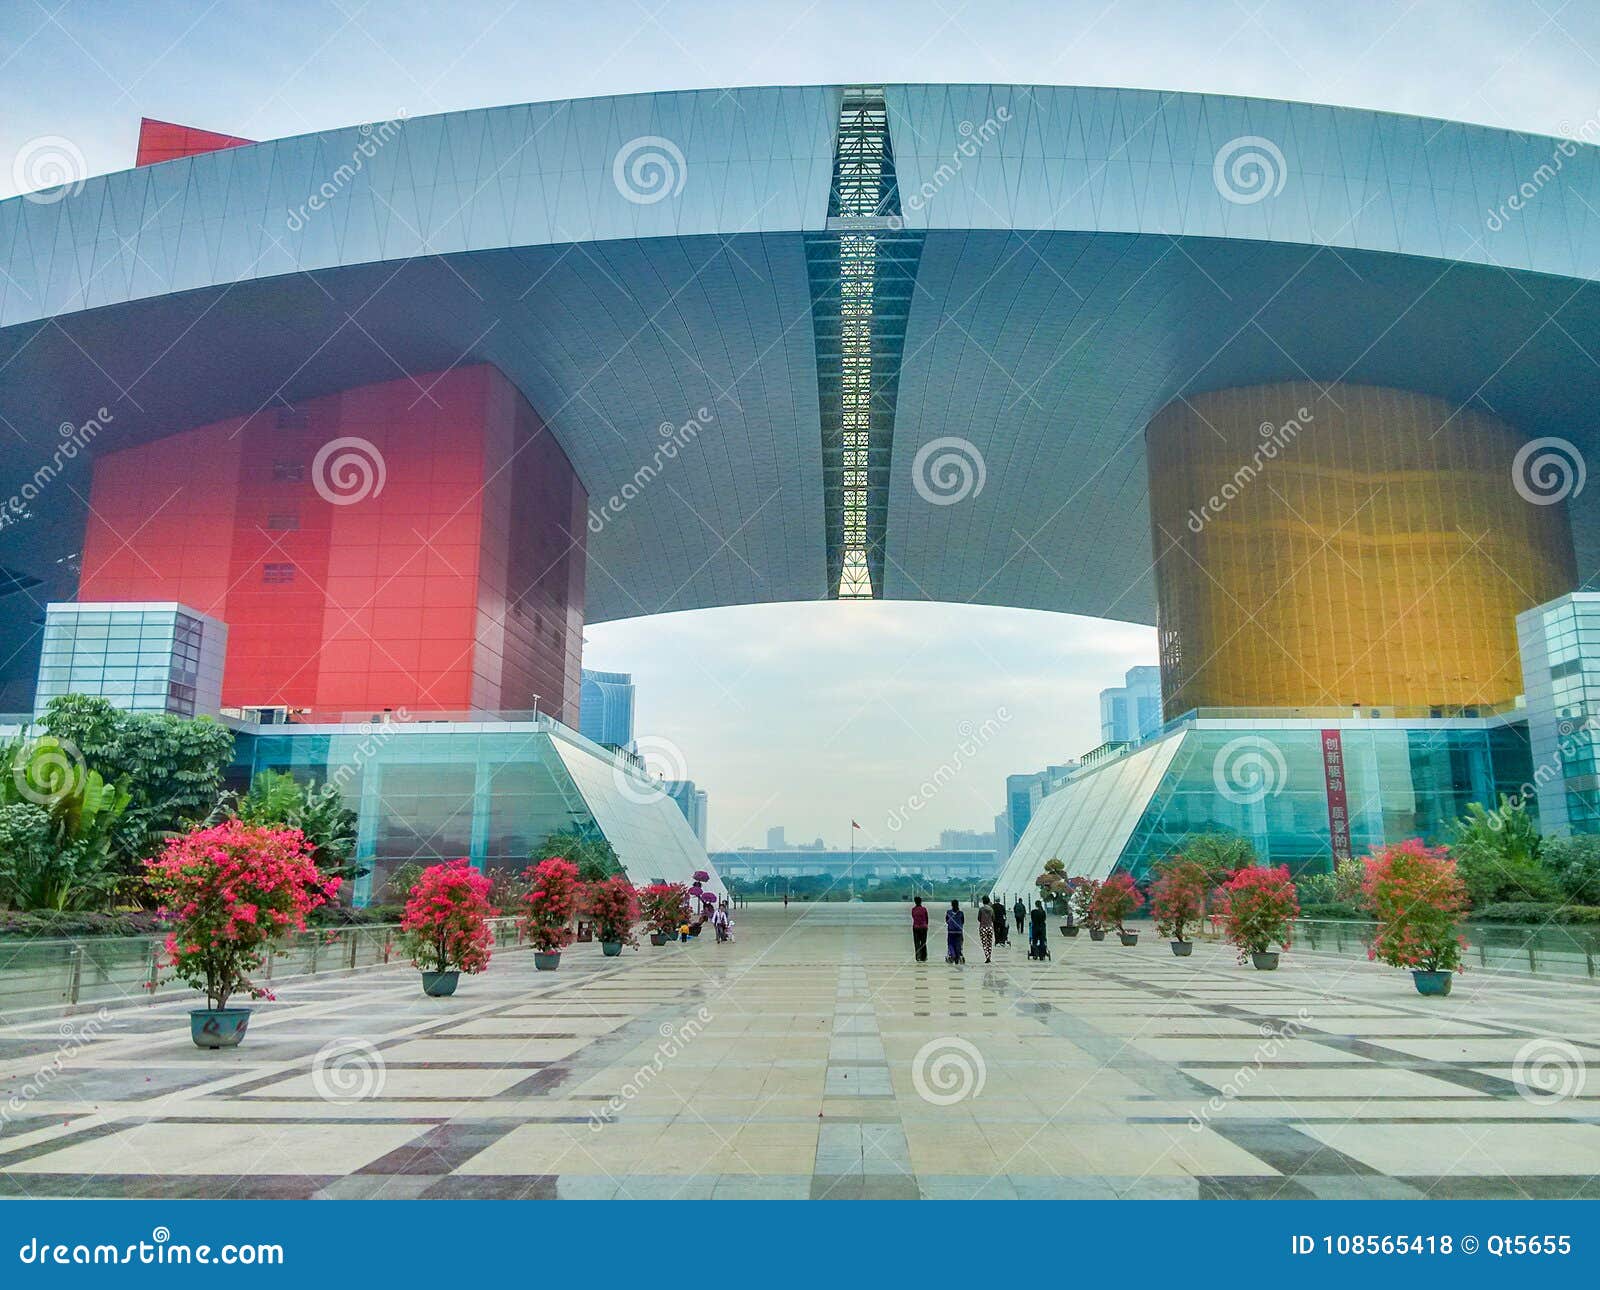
[(1277, 785), (1560, 646), (1344, 544), (605, 708), (1132, 711), (430, 791), (142, 657)]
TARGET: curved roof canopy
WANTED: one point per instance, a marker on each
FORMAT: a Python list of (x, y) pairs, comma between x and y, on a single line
[(1052, 265)]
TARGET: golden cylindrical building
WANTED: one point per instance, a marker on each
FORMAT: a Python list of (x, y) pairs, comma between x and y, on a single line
[(1338, 545)]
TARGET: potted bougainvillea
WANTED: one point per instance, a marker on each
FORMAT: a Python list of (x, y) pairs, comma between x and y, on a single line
[(661, 906), (1419, 899), (547, 909), (1116, 899), (1178, 901), (612, 905), (1083, 908), (1258, 908), (445, 928), (234, 892)]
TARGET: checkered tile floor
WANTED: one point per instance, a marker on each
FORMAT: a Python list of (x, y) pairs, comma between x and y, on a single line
[(813, 1058)]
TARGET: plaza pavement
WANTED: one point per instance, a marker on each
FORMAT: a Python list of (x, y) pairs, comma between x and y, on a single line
[(813, 1058)]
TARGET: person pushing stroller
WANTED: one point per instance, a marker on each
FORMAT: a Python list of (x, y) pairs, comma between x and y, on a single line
[(1038, 948)]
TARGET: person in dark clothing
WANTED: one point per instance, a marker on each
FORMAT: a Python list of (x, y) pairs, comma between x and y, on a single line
[(1019, 911), (919, 929), (955, 931), (1002, 930), (986, 928), (1037, 948)]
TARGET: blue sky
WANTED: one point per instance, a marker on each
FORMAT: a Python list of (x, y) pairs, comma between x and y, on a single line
[(800, 715)]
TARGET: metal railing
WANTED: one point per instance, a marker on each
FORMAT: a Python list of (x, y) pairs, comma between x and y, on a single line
[(1555, 949), (73, 971)]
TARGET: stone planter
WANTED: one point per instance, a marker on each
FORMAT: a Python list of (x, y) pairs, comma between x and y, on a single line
[(1069, 929), (611, 948), (1128, 938), (218, 1027), (546, 962), (1182, 949), (1265, 961), (440, 984), (658, 938), (1432, 982), (1097, 933)]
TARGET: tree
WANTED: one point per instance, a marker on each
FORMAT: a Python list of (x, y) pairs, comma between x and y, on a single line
[(1178, 897), (1497, 855), (277, 799), (1575, 864), (57, 820), (171, 767), (595, 857), (1219, 854)]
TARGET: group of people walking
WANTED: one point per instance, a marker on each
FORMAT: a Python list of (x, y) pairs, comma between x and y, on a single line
[(992, 929)]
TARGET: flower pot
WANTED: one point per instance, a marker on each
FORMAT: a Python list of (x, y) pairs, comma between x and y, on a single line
[(1182, 949), (658, 938), (1128, 938), (218, 1027), (1265, 961), (1432, 982), (439, 985), (584, 934), (611, 948), (546, 962), (1069, 929), (1097, 933), (695, 930)]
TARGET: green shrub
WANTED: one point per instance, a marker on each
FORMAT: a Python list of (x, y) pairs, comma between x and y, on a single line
[(1575, 864), (1536, 913), (1497, 855), (1332, 909)]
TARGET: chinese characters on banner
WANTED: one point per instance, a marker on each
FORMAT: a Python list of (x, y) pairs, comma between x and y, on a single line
[(1338, 803)]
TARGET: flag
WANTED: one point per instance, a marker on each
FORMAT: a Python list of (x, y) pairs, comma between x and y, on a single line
[(854, 825)]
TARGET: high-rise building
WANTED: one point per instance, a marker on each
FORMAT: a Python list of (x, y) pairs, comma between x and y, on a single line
[(1131, 711), (775, 839), (965, 840), (1559, 642), (605, 709), (691, 801)]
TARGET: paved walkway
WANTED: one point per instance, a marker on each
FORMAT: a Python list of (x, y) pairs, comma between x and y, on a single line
[(812, 1059)]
